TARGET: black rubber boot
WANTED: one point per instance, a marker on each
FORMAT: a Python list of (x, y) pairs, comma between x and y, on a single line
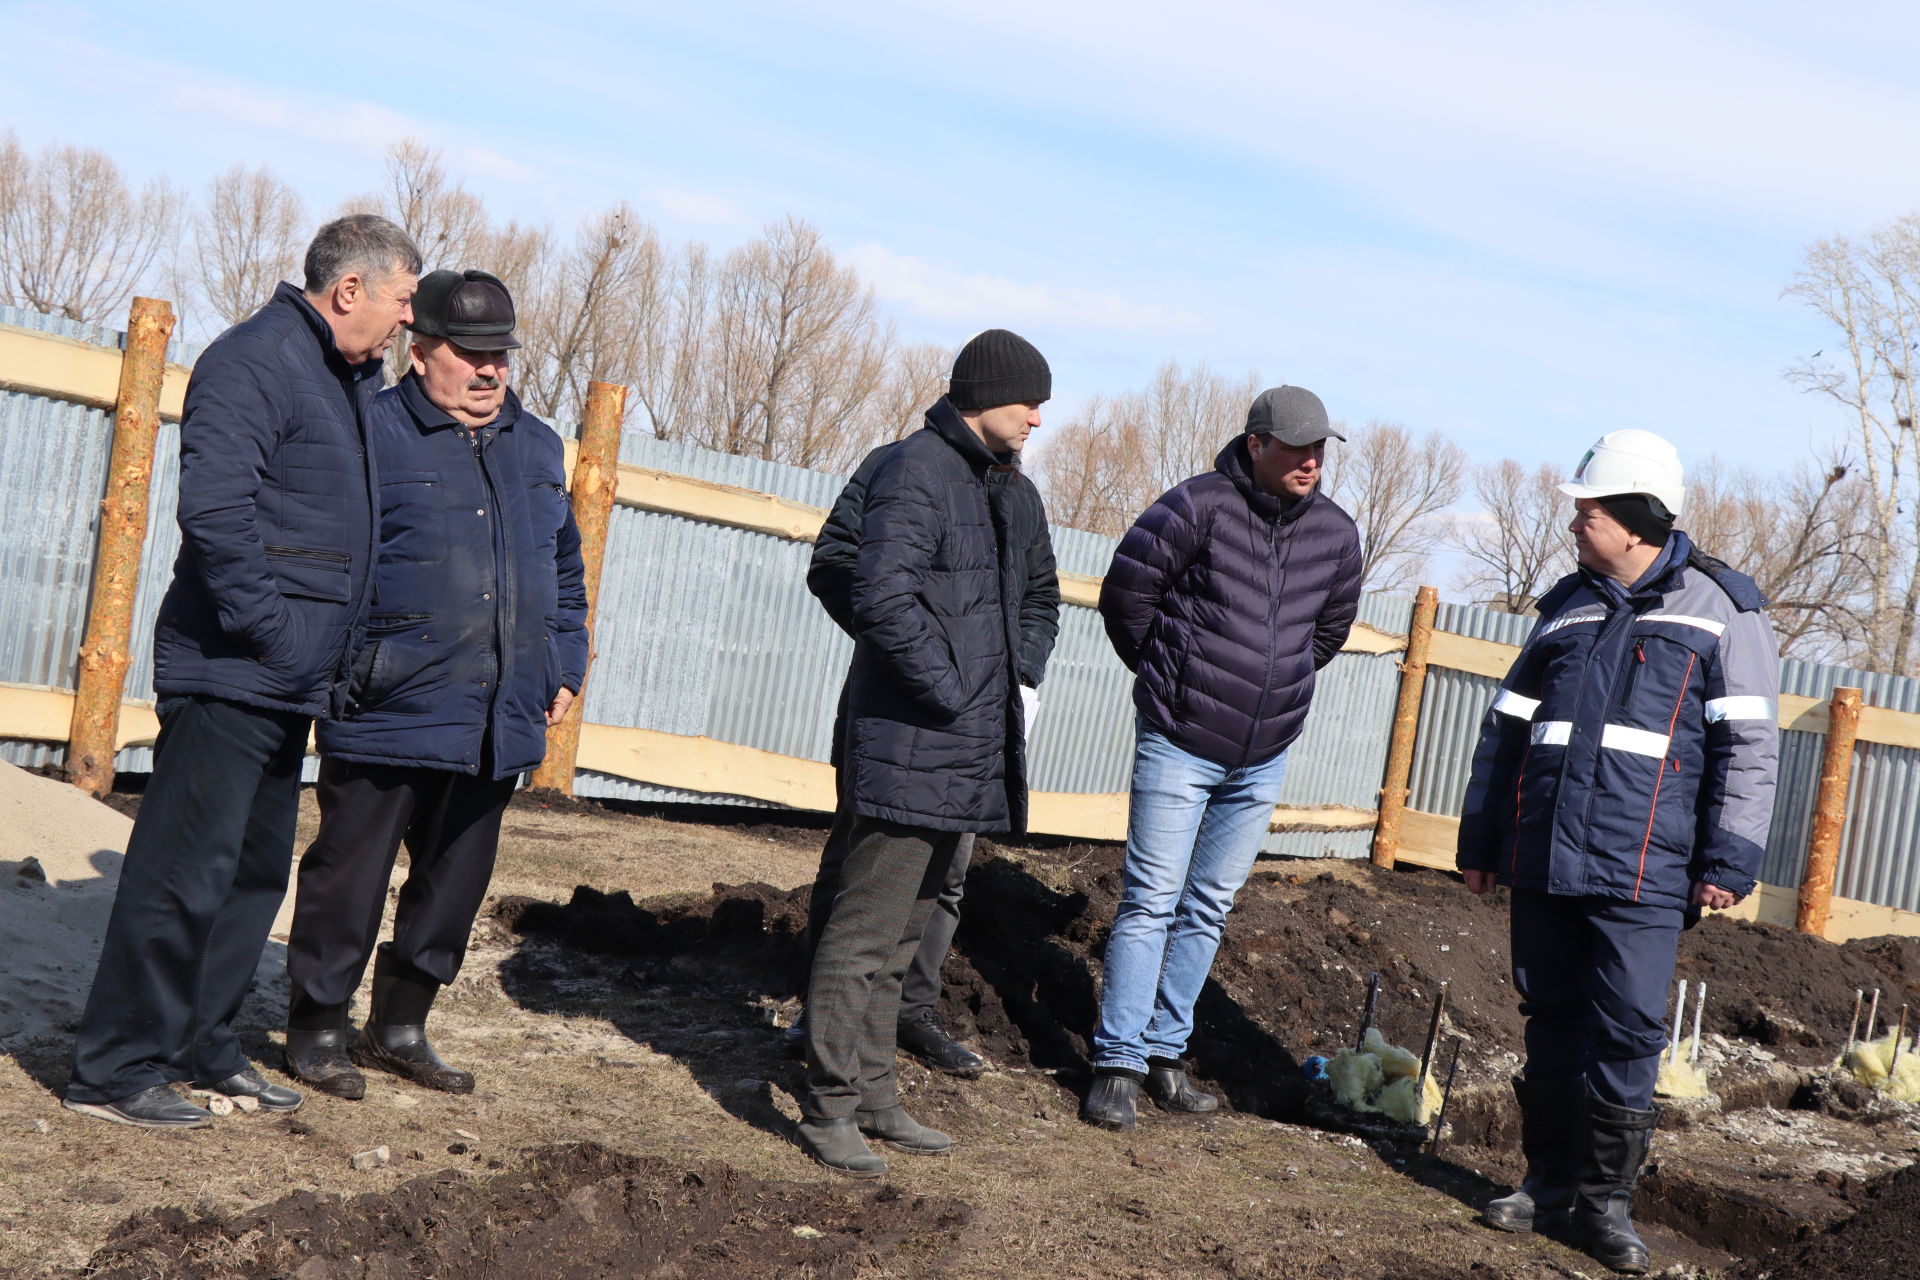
[(1603, 1205), (1553, 1135), (318, 1036), (1112, 1099), (395, 1037), (836, 1143), (1168, 1086)]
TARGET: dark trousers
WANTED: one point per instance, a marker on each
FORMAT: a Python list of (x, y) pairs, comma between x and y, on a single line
[(920, 988), (205, 871), (888, 882), (450, 823), (1593, 975)]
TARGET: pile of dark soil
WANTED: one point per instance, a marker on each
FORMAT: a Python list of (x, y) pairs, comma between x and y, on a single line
[(1787, 989), (1880, 1242), (570, 1213)]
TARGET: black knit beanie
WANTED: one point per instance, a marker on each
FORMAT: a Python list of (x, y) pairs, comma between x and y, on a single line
[(1642, 514), (999, 367)]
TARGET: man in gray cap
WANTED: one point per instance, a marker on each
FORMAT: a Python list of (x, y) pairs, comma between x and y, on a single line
[(1224, 599), (476, 643)]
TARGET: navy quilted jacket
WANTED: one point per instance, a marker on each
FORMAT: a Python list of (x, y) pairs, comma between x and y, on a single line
[(275, 516), (1224, 604), (479, 605), (942, 615), (1631, 748)]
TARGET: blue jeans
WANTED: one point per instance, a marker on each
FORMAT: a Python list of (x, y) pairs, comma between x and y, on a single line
[(1193, 831)]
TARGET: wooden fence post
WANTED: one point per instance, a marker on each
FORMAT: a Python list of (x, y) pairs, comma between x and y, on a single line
[(1406, 726), (1829, 812), (596, 472), (93, 734)]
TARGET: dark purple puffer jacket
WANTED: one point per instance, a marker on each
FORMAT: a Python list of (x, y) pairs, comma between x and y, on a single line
[(1224, 605)]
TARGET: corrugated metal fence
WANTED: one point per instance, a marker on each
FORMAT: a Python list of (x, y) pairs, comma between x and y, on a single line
[(706, 630)]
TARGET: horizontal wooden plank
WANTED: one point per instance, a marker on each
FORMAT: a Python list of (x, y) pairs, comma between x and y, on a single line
[(45, 364)]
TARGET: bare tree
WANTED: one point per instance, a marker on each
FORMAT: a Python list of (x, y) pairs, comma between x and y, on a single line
[(1396, 489), (1107, 464), (1517, 545), (75, 240), (1870, 291), (1804, 539), (246, 239)]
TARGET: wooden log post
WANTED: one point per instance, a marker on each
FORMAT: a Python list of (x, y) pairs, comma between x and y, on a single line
[(1829, 812), (1406, 726), (104, 654), (595, 477)]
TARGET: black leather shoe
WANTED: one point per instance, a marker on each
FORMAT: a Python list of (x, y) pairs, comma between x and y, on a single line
[(893, 1126), (1170, 1090), (1111, 1101), (319, 1058), (837, 1144), (922, 1036), (404, 1051), (251, 1084), (156, 1108)]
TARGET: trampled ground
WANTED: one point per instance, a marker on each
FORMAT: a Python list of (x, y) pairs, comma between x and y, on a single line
[(633, 1107)]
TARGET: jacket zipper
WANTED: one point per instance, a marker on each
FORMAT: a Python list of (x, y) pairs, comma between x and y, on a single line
[(305, 553), (502, 581), (1273, 607), (1633, 673)]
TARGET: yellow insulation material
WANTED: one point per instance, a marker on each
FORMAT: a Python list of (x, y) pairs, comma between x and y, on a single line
[(1381, 1078), (1680, 1079), (1871, 1062)]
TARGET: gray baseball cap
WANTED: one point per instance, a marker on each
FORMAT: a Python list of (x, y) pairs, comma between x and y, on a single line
[(1292, 415)]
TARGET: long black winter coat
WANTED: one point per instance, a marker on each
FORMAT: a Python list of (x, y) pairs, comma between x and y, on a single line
[(1224, 604), (946, 629), (479, 604), (276, 524)]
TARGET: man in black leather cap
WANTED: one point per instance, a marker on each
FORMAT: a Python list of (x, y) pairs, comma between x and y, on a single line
[(944, 628), (475, 644)]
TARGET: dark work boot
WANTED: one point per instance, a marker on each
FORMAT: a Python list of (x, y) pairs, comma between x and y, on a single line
[(1170, 1090), (1553, 1133), (317, 1040), (836, 1143), (1603, 1205), (1112, 1098), (395, 1037), (921, 1035), (893, 1126)]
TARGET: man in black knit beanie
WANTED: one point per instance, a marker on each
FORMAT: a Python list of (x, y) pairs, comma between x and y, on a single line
[(953, 605)]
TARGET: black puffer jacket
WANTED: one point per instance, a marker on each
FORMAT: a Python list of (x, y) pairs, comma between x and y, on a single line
[(946, 628), (1225, 604)]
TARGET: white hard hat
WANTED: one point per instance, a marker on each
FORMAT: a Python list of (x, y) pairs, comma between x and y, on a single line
[(1630, 461)]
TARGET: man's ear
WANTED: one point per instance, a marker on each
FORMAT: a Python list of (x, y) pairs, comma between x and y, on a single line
[(348, 290)]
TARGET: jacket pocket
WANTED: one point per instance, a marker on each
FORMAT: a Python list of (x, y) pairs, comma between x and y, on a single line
[(309, 574)]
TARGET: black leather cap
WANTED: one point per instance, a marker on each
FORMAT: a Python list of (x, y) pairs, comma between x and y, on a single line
[(470, 309)]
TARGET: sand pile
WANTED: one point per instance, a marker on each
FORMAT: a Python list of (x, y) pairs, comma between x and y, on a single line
[(60, 855)]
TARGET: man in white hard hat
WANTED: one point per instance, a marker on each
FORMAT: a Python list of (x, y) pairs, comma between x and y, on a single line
[(1623, 781)]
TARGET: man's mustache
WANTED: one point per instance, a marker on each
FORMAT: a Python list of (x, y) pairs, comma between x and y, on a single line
[(482, 383)]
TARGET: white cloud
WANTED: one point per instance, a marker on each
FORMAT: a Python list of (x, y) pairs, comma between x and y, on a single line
[(940, 293), (700, 209)]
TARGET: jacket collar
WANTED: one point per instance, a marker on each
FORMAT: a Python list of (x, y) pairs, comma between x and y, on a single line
[(945, 421), (432, 417), (1236, 464), (286, 294)]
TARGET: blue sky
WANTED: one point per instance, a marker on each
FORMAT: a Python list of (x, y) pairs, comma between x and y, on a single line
[(1520, 224)]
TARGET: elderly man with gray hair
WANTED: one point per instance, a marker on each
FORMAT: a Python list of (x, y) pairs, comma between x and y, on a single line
[(276, 522)]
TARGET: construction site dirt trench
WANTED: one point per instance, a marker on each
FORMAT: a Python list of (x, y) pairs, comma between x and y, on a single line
[(1789, 1171)]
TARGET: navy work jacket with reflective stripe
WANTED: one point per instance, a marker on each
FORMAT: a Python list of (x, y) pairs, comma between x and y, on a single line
[(1631, 748), (479, 604)]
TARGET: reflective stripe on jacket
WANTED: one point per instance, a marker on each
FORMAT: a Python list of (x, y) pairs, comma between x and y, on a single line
[(1631, 749)]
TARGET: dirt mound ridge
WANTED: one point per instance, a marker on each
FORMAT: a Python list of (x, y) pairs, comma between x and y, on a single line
[(1880, 1242), (570, 1212)]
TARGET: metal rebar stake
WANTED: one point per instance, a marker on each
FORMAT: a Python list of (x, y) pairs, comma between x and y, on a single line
[(1373, 1006), (1433, 1041), (1446, 1096)]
